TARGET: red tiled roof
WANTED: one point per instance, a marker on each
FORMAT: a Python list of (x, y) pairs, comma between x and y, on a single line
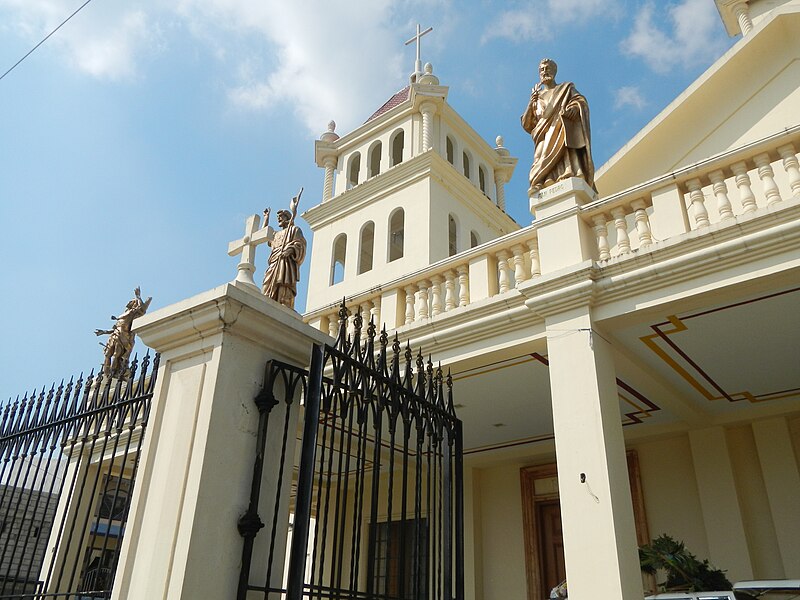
[(395, 100)]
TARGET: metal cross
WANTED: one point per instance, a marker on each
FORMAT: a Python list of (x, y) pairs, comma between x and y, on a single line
[(246, 246), (416, 38)]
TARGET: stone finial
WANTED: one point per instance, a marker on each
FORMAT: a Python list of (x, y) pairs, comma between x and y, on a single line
[(330, 135), (428, 77), (500, 149)]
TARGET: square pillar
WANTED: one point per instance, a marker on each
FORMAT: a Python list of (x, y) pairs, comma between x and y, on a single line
[(482, 277), (782, 480), (564, 239), (196, 466), (719, 502), (600, 547), (669, 217)]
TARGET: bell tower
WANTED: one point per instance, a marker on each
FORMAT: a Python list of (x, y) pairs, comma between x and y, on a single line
[(413, 185)]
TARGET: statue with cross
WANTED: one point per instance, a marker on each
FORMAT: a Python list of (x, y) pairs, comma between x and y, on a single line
[(288, 251)]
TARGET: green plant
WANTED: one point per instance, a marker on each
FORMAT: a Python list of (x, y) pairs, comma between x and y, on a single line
[(683, 570)]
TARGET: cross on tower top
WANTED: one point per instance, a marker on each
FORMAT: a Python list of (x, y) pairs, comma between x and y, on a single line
[(416, 38)]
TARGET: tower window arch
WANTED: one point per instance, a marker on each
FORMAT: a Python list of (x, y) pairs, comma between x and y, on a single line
[(366, 247), (396, 234), (353, 169), (398, 145), (375, 159), (482, 178), (338, 259), (452, 235), (474, 240), (451, 150), (466, 162)]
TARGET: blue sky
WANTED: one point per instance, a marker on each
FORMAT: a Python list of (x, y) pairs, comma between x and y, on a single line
[(137, 139)]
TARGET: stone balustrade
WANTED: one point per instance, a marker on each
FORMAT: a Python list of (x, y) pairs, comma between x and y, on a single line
[(722, 189), (717, 190)]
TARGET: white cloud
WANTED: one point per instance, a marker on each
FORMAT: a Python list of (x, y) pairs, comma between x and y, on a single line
[(102, 41), (686, 34), (629, 95), (532, 21)]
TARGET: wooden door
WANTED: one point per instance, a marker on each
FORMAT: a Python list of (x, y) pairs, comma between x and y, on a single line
[(551, 543)]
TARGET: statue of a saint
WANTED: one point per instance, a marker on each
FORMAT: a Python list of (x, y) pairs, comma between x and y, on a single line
[(288, 251), (557, 117), (121, 338)]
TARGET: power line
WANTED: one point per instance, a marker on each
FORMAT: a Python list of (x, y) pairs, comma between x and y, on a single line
[(45, 39)]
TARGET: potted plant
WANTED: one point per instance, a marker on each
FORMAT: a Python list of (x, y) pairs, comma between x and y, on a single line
[(684, 572)]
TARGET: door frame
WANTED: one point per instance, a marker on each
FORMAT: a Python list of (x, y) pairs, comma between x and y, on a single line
[(531, 525)]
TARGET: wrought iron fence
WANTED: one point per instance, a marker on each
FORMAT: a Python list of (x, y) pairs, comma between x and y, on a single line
[(369, 477), (68, 460)]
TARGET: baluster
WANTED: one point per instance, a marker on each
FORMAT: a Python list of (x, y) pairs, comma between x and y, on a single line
[(463, 285), (366, 311), (742, 179), (621, 225), (643, 230), (698, 203), (422, 306), (791, 166), (721, 192), (375, 312), (450, 290), (601, 232), (410, 299), (536, 267), (505, 271), (520, 274), (767, 176), (436, 288)]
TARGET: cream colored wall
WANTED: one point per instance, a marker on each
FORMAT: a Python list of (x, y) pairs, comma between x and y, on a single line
[(502, 551), (760, 8), (477, 156), (414, 201)]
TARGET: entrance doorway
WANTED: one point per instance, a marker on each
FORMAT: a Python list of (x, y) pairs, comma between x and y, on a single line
[(541, 516)]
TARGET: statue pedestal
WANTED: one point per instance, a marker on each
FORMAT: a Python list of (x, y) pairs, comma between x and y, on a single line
[(559, 197), (564, 238)]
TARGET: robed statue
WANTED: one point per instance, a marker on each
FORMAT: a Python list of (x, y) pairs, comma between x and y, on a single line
[(557, 117), (288, 251), (117, 349)]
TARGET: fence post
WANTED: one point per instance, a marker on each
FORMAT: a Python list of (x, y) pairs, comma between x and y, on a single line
[(196, 468)]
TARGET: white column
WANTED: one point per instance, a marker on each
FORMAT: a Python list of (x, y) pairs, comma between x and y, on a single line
[(601, 233), (330, 166), (698, 203), (767, 177), (727, 542), (533, 247), (782, 481), (436, 289), (742, 12), (642, 223), (196, 465), (505, 271), (742, 179), (791, 166), (428, 109), (596, 510), (721, 192), (621, 225), (450, 291), (499, 181)]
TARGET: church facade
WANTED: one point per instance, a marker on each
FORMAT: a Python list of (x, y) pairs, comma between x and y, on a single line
[(625, 366)]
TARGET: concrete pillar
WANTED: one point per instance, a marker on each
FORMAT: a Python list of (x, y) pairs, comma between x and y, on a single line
[(727, 542), (600, 546), (781, 478), (669, 213), (196, 466), (564, 239)]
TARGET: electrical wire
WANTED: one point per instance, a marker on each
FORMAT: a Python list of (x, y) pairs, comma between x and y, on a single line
[(45, 39)]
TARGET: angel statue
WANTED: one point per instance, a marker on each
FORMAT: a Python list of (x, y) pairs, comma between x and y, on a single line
[(288, 251), (118, 348)]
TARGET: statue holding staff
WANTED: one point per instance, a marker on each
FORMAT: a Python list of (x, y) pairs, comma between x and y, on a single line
[(557, 118), (288, 251)]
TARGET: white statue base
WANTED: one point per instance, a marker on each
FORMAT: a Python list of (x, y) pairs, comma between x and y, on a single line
[(561, 196)]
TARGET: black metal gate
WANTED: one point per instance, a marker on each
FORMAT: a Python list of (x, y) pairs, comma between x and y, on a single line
[(372, 490), (68, 459)]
